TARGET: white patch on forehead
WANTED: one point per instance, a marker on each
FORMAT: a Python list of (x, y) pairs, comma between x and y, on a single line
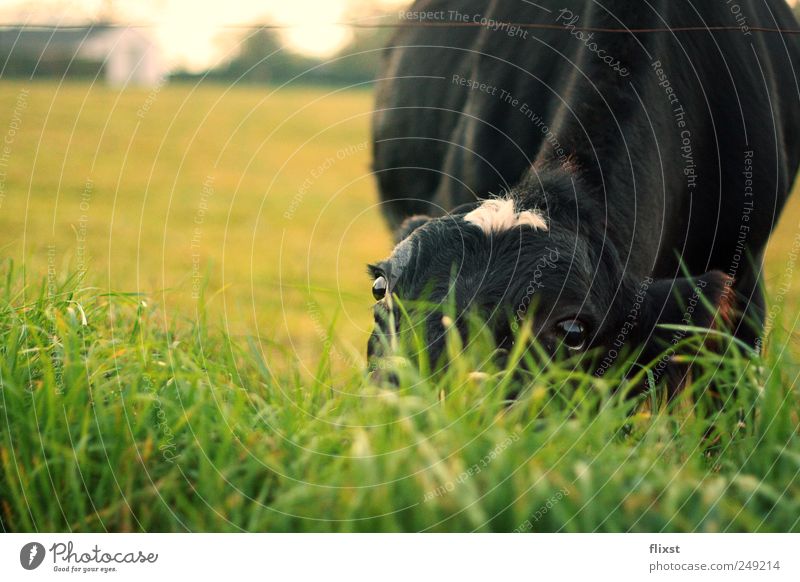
[(501, 214)]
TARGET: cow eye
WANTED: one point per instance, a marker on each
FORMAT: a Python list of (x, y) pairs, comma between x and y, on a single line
[(379, 288), (572, 333)]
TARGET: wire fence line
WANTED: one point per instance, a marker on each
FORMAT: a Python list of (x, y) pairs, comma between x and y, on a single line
[(396, 25)]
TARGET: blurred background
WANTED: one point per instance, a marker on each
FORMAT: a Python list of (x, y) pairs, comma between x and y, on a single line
[(212, 156), (141, 42)]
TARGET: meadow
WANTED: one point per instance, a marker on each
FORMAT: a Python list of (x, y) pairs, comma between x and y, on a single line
[(183, 318)]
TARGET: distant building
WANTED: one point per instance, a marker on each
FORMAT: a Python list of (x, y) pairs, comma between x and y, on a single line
[(120, 55)]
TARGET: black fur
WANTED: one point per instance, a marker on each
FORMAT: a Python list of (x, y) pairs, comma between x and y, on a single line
[(631, 210)]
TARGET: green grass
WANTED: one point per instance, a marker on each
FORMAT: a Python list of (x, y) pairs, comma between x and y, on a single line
[(114, 422), (127, 404)]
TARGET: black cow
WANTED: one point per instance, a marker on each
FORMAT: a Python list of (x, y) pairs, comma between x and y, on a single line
[(609, 180)]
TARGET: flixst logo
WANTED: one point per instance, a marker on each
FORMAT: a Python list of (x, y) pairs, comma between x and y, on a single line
[(31, 555)]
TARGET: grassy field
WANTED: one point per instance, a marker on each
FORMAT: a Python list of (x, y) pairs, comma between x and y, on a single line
[(266, 195), (183, 315)]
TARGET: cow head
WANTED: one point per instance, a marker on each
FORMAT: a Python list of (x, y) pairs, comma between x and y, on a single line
[(512, 265)]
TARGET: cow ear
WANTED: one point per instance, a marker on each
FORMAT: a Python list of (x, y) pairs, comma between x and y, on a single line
[(702, 301), (408, 226), (692, 301)]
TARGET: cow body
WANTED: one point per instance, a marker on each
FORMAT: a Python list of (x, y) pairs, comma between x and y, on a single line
[(662, 152)]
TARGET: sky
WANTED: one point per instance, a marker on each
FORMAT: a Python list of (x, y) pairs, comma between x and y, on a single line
[(195, 34)]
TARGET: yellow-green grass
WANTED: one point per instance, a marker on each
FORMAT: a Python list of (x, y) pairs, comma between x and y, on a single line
[(292, 214)]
